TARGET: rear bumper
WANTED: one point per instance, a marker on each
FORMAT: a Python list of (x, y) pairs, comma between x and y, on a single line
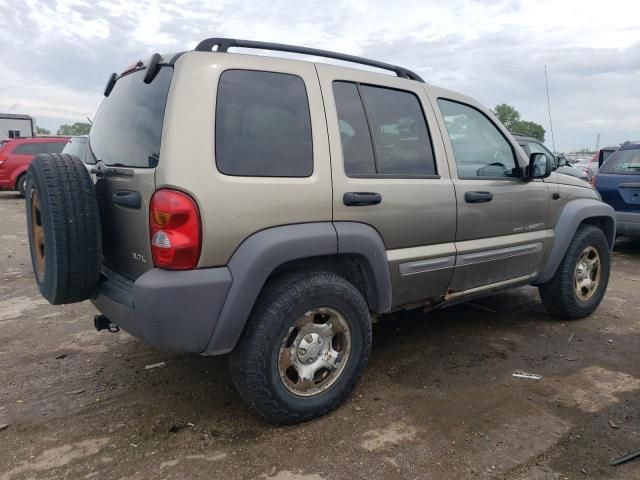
[(628, 224), (172, 310)]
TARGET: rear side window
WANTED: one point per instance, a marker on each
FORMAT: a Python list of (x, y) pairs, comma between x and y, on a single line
[(263, 125), (624, 162), (128, 127), (357, 147), (401, 143), (53, 147), (29, 149)]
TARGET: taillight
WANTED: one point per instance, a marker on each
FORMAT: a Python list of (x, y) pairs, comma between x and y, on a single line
[(174, 225)]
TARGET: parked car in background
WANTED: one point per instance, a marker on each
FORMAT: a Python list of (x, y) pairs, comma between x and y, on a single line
[(584, 165), (618, 182), (532, 145), (76, 146), (599, 158), (17, 154)]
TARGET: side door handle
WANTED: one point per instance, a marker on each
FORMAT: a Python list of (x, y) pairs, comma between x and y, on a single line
[(359, 199), (478, 197), (127, 198)]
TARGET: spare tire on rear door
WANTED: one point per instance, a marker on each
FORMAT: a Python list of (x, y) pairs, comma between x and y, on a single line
[(63, 224)]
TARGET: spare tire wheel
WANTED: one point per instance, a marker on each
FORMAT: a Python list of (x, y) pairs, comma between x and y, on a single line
[(63, 224)]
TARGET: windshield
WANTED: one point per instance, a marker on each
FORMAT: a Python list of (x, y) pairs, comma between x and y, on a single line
[(75, 146), (128, 127), (623, 161)]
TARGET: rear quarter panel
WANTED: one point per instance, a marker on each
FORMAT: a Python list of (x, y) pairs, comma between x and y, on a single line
[(231, 207)]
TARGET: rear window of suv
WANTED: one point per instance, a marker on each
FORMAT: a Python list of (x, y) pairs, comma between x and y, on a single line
[(624, 161), (263, 125), (128, 127)]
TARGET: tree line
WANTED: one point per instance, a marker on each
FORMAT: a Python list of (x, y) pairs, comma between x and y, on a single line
[(510, 118)]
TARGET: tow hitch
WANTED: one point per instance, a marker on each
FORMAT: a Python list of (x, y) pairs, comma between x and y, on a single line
[(103, 323)]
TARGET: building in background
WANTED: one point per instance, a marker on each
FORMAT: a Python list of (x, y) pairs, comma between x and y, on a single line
[(14, 126)]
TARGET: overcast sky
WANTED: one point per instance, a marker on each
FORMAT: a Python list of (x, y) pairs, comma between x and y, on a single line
[(56, 55)]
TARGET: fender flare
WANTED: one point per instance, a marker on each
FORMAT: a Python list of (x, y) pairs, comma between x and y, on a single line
[(574, 213), (264, 251)]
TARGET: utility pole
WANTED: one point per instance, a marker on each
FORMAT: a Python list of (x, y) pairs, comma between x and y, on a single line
[(546, 79), (598, 143)]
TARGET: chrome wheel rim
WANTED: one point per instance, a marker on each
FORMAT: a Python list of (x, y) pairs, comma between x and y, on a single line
[(37, 234), (314, 352), (587, 274)]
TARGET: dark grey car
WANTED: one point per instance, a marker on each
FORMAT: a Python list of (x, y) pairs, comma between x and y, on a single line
[(532, 145)]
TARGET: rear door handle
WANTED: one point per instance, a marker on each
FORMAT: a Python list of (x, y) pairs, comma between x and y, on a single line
[(127, 198), (478, 197), (359, 199)]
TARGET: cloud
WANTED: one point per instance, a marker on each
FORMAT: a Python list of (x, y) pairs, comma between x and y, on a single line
[(57, 54)]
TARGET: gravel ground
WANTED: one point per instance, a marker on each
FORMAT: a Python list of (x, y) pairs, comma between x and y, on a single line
[(438, 399)]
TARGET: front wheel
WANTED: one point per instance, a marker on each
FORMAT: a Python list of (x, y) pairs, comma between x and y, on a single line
[(304, 347), (579, 284), (21, 184)]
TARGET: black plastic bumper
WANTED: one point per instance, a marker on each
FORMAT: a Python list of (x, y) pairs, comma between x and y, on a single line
[(173, 310)]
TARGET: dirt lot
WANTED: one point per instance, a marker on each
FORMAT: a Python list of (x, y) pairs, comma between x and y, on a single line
[(437, 401)]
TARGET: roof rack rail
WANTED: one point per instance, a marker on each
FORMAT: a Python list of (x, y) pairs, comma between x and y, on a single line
[(224, 44)]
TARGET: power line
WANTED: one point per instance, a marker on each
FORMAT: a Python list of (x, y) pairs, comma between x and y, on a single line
[(546, 79)]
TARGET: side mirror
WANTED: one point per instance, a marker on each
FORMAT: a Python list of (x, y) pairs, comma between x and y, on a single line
[(561, 161), (540, 166)]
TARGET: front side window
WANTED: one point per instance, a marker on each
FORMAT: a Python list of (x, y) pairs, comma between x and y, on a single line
[(401, 143), (479, 148), (263, 125)]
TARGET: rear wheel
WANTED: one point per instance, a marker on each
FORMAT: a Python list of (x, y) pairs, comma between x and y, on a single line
[(304, 347), (63, 225), (578, 286)]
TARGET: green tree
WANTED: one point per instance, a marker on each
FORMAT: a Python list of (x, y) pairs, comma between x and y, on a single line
[(510, 118), (42, 131), (507, 115), (78, 128), (531, 129)]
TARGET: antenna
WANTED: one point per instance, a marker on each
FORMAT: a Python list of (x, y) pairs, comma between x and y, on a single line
[(546, 79)]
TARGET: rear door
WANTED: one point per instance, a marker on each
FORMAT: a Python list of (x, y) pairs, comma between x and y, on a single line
[(385, 142), (124, 145)]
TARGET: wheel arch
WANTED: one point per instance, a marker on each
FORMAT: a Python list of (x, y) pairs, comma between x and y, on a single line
[(18, 174), (576, 213), (355, 251)]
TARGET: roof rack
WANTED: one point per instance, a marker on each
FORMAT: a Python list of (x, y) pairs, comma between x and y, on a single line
[(224, 44)]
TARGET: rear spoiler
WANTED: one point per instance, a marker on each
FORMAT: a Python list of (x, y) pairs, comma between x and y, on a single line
[(152, 68)]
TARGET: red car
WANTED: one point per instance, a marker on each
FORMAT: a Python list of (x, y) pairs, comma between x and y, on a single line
[(16, 155)]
